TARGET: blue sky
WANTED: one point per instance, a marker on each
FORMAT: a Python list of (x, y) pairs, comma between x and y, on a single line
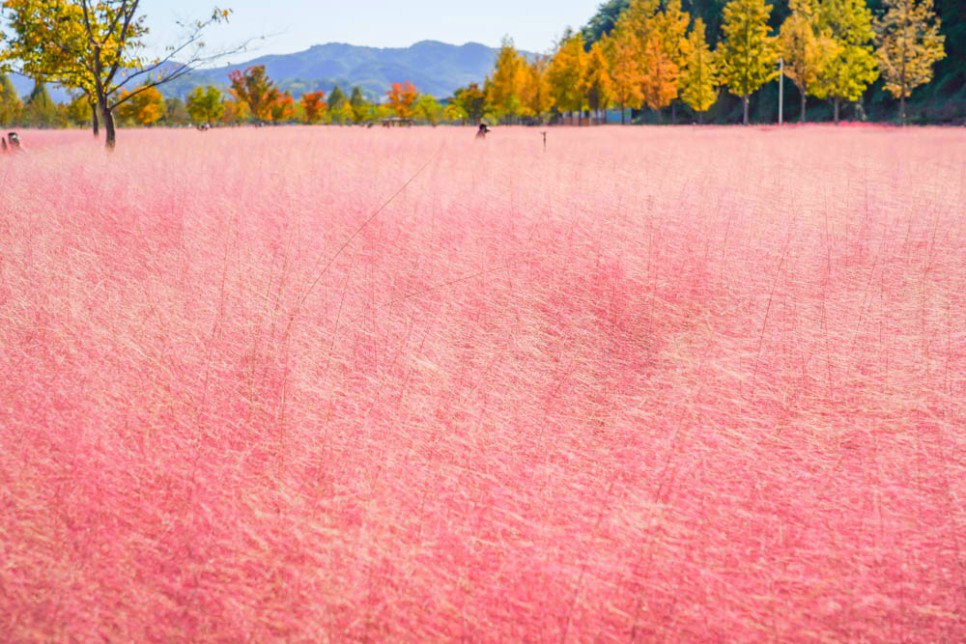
[(294, 25)]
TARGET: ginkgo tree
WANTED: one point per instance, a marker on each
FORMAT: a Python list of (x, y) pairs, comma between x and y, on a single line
[(97, 47)]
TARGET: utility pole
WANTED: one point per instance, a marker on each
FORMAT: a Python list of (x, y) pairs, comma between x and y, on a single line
[(781, 88)]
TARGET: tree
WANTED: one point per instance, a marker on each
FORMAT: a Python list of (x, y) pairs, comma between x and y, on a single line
[(848, 64), (254, 88), (205, 104), (358, 105), (11, 107), (402, 97), (566, 72), (670, 26), (472, 100), (623, 57), (143, 106), (338, 106), (96, 46), (698, 78), (313, 107), (801, 48), (535, 97), (428, 109), (40, 110), (176, 112), (235, 112), (909, 45), (748, 52), (79, 110), (660, 80), (283, 108), (596, 82), (506, 83)]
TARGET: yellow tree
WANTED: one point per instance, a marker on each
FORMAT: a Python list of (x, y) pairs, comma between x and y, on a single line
[(507, 81), (144, 106), (671, 27), (660, 83), (596, 81), (97, 47), (748, 53), (909, 45), (623, 62), (849, 66), (566, 72), (535, 97), (698, 78), (801, 48)]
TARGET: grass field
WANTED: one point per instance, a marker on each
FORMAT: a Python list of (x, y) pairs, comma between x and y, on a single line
[(401, 385)]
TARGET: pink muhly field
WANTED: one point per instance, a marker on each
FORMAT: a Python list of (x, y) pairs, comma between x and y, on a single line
[(334, 384)]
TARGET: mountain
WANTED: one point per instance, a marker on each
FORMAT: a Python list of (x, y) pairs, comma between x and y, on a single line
[(433, 67)]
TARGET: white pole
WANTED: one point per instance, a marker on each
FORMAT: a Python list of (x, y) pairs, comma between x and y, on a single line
[(781, 88)]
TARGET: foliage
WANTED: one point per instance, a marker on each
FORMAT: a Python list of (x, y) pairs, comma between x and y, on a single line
[(659, 85), (536, 98), (205, 104), (314, 107), (40, 110), (909, 45), (143, 106), (254, 88), (698, 78), (427, 109), (79, 110), (402, 98), (11, 107), (850, 66), (623, 58), (97, 47), (507, 81), (358, 105), (802, 48), (596, 81), (283, 108), (566, 73), (471, 100), (176, 112), (748, 54)]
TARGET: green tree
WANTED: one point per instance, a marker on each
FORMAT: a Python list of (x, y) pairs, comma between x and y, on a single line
[(205, 104), (96, 46), (698, 78), (338, 106), (40, 110), (909, 45), (175, 112), (748, 53), (428, 109), (11, 107), (472, 100), (358, 105), (79, 110)]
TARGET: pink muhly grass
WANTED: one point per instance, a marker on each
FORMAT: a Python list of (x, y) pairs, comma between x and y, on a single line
[(688, 384)]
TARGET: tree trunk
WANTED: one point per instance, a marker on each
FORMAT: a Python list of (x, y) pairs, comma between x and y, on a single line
[(674, 114), (95, 122), (801, 117), (111, 135), (622, 112), (835, 110), (902, 106), (744, 100)]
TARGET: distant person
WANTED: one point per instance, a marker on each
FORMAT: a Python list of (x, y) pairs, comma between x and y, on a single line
[(483, 130), (3, 141), (14, 139)]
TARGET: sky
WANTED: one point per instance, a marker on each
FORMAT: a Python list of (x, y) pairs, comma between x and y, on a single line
[(285, 26)]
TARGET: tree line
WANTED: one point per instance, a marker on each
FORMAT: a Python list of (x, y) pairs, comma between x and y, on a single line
[(651, 54)]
